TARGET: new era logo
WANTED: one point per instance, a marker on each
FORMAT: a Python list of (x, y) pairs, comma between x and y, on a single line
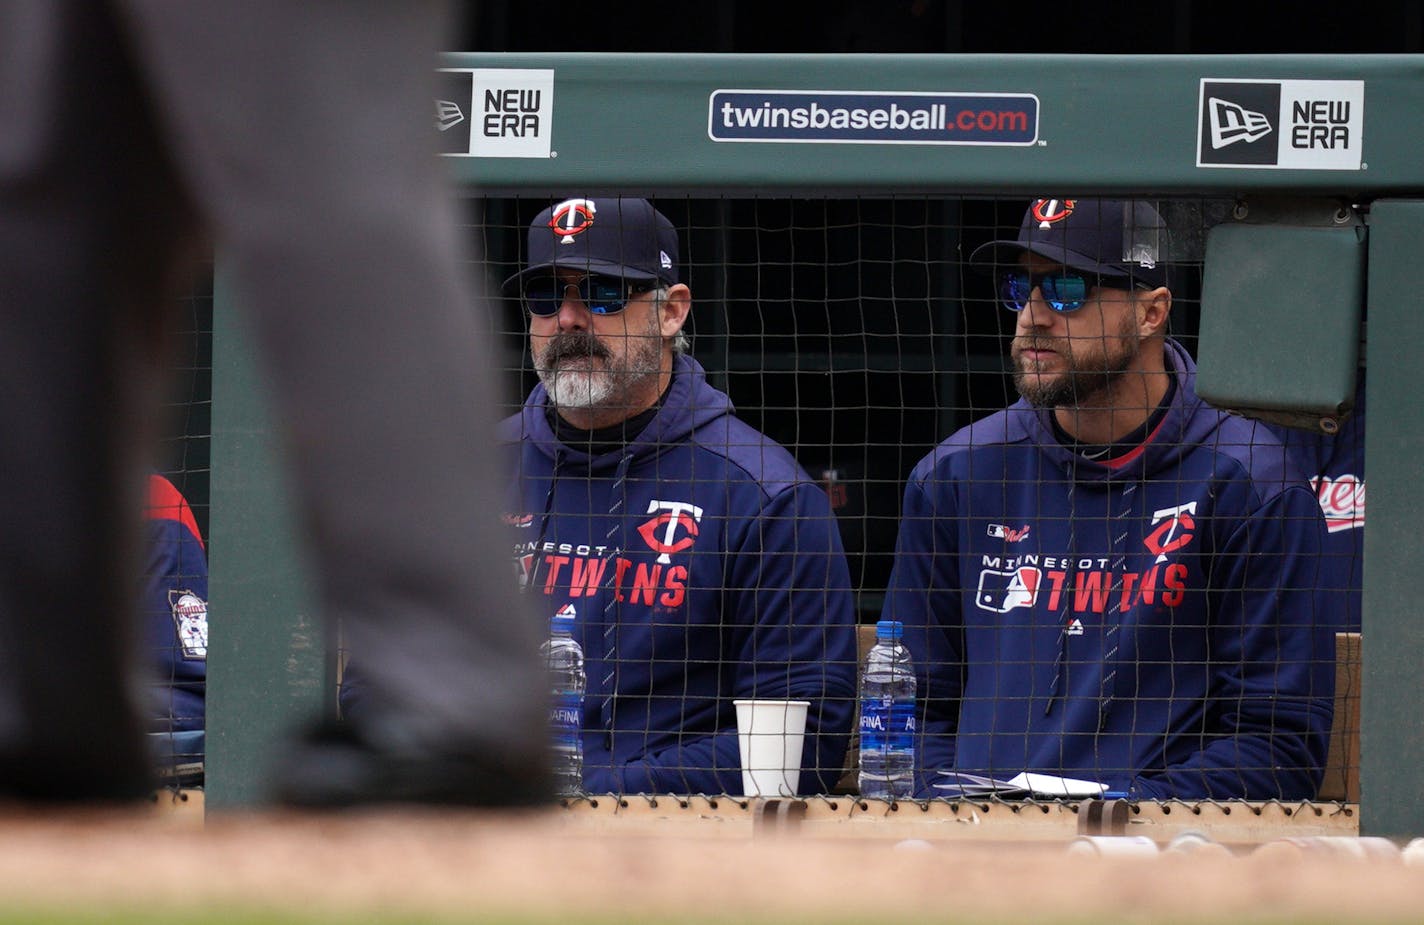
[(1231, 123), (1238, 123), (447, 115)]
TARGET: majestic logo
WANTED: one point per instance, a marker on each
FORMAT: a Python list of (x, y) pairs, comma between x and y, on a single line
[(1075, 627), (1174, 526), (447, 115), (1342, 501), (572, 217), (1050, 211), (517, 520), (1231, 123), (661, 533), (1008, 534), (568, 610), (1002, 591), (190, 619)]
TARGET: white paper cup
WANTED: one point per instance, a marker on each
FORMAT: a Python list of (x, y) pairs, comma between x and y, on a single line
[(1114, 846), (770, 733)]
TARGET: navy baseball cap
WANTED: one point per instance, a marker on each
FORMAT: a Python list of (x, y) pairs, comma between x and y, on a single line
[(619, 237), (1109, 237)]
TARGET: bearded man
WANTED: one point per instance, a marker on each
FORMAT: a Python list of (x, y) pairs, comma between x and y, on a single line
[(700, 561), (1110, 580)]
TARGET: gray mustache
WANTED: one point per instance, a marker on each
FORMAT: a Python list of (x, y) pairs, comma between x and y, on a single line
[(574, 344)]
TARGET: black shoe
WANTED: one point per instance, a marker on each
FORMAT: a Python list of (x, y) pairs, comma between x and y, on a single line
[(333, 768), (39, 782)]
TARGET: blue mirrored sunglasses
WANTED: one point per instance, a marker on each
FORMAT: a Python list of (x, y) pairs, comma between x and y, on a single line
[(1064, 290), (604, 295)]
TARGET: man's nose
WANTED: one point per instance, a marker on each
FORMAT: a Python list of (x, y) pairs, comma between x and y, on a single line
[(1036, 313), (573, 314)]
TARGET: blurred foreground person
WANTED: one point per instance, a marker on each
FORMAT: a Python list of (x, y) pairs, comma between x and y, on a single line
[(295, 139)]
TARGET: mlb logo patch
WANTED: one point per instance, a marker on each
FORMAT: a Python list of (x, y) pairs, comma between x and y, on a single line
[(1003, 590), (1007, 533)]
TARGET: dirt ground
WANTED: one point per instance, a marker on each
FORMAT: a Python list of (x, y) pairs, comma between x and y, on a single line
[(479, 866)]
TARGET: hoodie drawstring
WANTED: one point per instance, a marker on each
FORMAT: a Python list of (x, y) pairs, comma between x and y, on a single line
[(1112, 635), (1068, 584), (1112, 624), (613, 541), (538, 550)]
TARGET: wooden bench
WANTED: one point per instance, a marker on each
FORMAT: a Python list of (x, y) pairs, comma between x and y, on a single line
[(1342, 767), (849, 782)]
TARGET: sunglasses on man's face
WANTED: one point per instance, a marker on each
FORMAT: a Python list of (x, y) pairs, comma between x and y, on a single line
[(603, 295), (1064, 290)]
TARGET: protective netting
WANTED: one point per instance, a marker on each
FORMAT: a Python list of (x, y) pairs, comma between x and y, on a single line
[(174, 608), (1111, 582)]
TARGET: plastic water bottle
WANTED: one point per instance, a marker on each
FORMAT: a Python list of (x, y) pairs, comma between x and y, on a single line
[(887, 717), (564, 658)]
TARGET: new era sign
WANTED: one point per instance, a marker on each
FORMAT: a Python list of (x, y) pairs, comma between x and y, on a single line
[(1281, 124), (495, 112)]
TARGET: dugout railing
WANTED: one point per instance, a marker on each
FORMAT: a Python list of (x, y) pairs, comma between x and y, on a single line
[(688, 128)]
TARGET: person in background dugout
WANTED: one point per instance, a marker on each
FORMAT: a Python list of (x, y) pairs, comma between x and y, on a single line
[(1111, 580), (1336, 466), (703, 564), (295, 140), (175, 614)]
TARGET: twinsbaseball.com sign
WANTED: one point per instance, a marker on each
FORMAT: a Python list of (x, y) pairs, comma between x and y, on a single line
[(835, 116)]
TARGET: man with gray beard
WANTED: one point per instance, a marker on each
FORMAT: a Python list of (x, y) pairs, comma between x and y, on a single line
[(582, 375), (1110, 580), (701, 563)]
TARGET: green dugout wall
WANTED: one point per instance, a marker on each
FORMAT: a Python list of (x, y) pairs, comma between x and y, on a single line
[(1293, 137)]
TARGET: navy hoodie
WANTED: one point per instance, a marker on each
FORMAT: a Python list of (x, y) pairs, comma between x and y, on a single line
[(1336, 467), (1158, 623), (175, 609), (703, 566)]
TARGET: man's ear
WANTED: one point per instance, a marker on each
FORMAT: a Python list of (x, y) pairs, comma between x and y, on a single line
[(675, 309), (1153, 309)]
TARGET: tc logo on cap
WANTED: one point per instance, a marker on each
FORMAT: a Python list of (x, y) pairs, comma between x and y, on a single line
[(1048, 211), (571, 217)]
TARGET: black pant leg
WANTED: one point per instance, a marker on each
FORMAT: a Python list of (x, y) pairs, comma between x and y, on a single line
[(319, 175), (83, 261)]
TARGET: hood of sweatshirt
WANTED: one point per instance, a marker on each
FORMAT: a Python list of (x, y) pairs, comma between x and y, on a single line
[(691, 403), (1179, 431)]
